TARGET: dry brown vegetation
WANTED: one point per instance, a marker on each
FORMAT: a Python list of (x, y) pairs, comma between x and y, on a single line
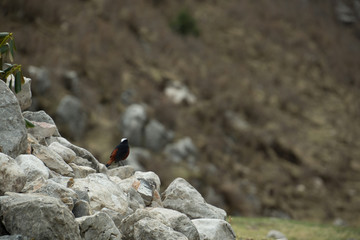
[(286, 69)]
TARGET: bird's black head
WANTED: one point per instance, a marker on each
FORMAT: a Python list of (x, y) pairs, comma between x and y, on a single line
[(124, 141)]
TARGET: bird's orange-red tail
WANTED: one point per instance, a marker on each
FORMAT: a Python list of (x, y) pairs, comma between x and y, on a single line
[(112, 157)]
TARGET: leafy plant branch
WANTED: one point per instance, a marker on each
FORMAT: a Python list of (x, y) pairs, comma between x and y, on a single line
[(7, 50)]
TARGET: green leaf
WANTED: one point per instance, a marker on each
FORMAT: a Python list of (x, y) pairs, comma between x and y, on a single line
[(10, 53), (22, 78), (8, 68), (3, 34), (29, 124), (12, 46), (10, 84), (18, 80), (4, 49)]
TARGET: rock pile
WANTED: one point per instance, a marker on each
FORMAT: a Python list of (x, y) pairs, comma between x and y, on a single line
[(53, 189)]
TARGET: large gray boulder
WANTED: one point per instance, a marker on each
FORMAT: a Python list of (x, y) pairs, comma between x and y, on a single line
[(42, 81), (214, 229), (71, 117), (12, 177), (32, 167), (13, 134), (157, 136), (133, 123), (345, 13), (57, 190), (102, 192), (99, 226), (183, 150), (183, 197), (38, 217), (144, 132)]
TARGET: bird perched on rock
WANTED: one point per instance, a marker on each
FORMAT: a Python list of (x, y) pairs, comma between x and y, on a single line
[(120, 153)]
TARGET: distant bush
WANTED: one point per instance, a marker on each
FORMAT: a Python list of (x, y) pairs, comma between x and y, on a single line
[(7, 49), (185, 24)]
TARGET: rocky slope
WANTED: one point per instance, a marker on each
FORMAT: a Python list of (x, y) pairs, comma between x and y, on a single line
[(52, 189), (256, 107)]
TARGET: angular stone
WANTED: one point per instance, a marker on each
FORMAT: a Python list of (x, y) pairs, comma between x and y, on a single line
[(151, 177), (133, 122), (135, 199), (52, 160), (81, 162), (156, 136), (81, 208), (71, 117), (38, 217), (275, 234), (99, 226), (178, 221), (154, 221), (24, 96), (122, 172), (156, 201), (102, 192), (54, 189), (81, 171), (42, 130), (12, 177), (152, 229), (32, 167), (13, 134), (41, 116), (183, 197), (182, 150), (34, 185), (83, 153), (179, 93), (65, 181), (116, 216), (66, 153), (145, 189), (214, 229), (42, 79)]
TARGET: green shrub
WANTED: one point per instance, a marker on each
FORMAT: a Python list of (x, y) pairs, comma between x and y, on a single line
[(185, 24), (7, 50)]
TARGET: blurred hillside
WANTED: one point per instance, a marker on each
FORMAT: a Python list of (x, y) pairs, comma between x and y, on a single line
[(276, 83)]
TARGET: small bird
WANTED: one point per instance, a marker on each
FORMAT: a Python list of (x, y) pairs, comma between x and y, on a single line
[(120, 153)]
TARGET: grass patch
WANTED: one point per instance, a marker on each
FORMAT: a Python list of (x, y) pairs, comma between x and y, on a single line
[(257, 229)]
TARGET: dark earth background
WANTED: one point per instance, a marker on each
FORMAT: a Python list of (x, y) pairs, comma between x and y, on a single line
[(277, 110)]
